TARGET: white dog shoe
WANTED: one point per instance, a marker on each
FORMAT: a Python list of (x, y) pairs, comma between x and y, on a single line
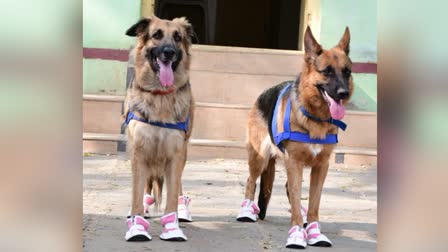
[(171, 229), (137, 229), (183, 210), (297, 238), (248, 212), (315, 237)]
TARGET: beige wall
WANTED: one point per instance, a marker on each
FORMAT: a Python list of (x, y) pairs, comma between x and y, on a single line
[(310, 16), (147, 8)]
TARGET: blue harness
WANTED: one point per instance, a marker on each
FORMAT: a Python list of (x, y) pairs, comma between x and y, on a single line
[(297, 136), (183, 126)]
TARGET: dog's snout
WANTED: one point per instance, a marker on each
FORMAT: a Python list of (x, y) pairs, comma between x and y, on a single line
[(168, 52), (342, 93)]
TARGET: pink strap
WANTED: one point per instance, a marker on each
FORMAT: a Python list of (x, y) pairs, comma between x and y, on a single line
[(312, 226), (169, 218), (255, 208), (138, 220)]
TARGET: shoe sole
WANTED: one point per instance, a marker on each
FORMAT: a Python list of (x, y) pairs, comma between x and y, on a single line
[(139, 238), (175, 239), (184, 220), (321, 244), (245, 219), (146, 217), (295, 246)]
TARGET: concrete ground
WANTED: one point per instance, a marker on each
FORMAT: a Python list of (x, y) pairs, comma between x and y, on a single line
[(348, 209)]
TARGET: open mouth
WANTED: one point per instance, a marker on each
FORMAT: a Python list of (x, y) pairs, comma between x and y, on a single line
[(337, 109), (164, 69)]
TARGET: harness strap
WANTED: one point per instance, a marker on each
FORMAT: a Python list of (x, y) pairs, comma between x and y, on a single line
[(338, 123), (297, 136), (183, 126)]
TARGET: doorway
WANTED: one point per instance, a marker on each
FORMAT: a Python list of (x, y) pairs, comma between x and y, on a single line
[(272, 24)]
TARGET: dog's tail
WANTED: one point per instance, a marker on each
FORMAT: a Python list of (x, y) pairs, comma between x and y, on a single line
[(266, 183), (157, 192)]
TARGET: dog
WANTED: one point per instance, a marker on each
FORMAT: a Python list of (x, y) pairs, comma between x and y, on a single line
[(299, 121), (158, 111)]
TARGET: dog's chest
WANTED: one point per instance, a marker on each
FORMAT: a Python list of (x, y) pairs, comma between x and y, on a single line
[(315, 149), (156, 140)]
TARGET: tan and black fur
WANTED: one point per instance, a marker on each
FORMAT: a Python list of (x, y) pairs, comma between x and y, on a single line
[(324, 70), (159, 154)]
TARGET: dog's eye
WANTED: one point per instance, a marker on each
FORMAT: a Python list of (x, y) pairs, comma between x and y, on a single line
[(158, 34), (177, 37), (347, 72), (328, 71)]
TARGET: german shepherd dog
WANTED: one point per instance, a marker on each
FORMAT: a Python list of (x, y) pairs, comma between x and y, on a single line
[(159, 110), (319, 94)]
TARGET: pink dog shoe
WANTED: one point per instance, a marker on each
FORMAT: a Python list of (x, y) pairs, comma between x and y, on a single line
[(171, 229), (297, 238), (248, 212), (183, 211), (148, 200), (315, 237), (137, 229)]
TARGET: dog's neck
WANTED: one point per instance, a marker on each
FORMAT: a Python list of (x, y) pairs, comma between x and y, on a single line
[(316, 106), (158, 91), (312, 100), (172, 107)]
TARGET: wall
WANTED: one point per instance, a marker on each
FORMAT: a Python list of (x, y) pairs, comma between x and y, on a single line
[(105, 22), (360, 17), (104, 25)]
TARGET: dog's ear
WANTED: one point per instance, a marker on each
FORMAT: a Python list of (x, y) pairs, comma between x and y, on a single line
[(312, 48), (191, 35), (138, 28), (344, 43)]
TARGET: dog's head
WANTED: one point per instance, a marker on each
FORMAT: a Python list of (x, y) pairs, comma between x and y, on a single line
[(162, 51), (330, 73)]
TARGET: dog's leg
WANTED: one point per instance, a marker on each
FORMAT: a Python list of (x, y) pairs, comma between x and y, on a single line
[(257, 163), (139, 178), (172, 185), (256, 166), (150, 197), (266, 183), (318, 175), (137, 226), (170, 220), (297, 236), (183, 202), (148, 185), (294, 171)]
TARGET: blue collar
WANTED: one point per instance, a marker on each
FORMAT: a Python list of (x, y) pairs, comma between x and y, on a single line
[(297, 136), (183, 126)]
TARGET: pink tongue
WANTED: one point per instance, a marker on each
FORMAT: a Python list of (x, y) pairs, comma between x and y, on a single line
[(337, 110), (166, 75)]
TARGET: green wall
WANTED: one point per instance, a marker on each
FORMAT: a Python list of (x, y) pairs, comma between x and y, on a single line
[(104, 25), (106, 21), (360, 17), (104, 77)]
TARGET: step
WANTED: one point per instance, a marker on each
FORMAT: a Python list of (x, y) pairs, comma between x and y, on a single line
[(198, 142), (206, 148), (215, 121), (232, 88), (246, 60)]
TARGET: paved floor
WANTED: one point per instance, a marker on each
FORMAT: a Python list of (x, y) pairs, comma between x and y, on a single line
[(348, 209)]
